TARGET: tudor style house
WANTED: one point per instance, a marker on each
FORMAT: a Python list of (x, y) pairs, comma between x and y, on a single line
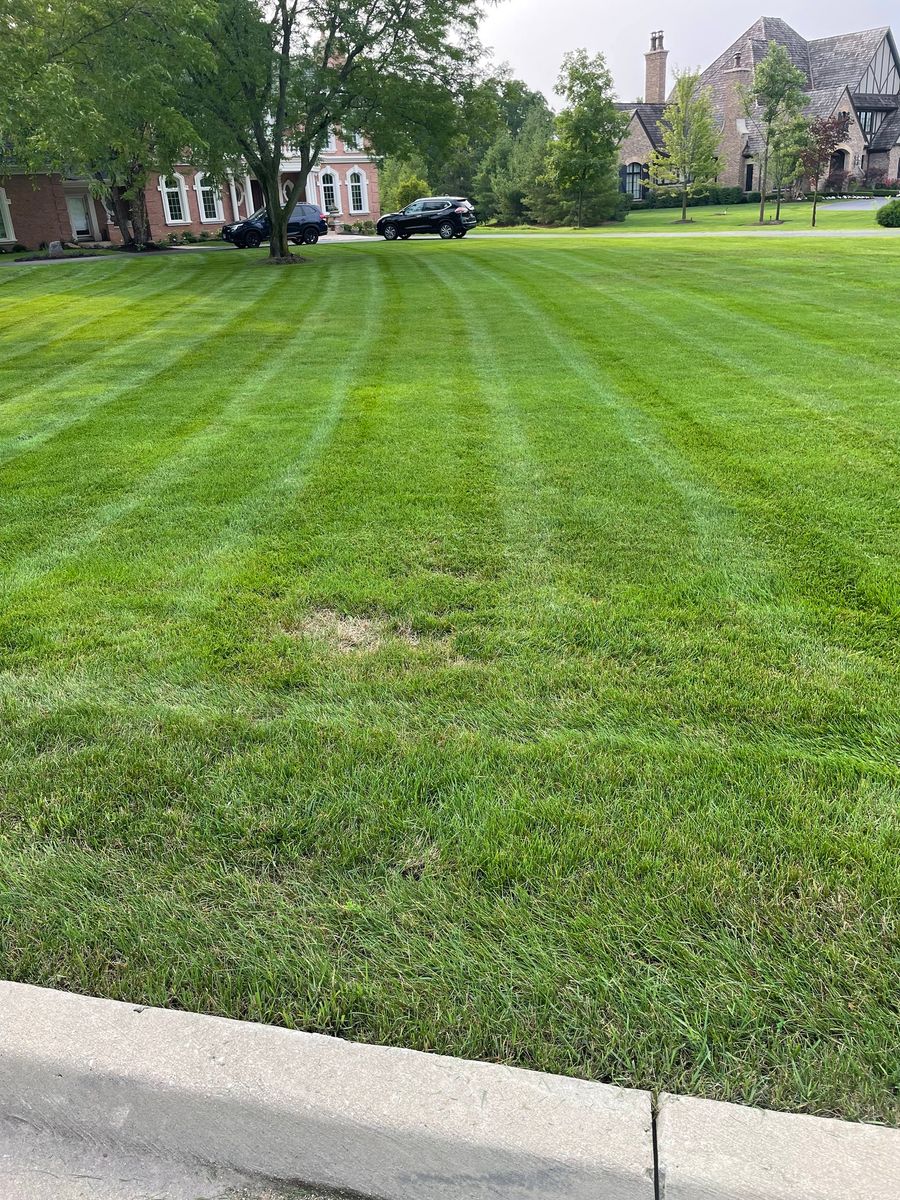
[(37, 209), (853, 73)]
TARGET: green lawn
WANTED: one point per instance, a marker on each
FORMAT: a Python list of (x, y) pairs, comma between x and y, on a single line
[(795, 215), (486, 647)]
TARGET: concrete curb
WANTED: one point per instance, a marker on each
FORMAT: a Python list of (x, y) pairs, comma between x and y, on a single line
[(306, 1109), (182, 1106), (708, 1150)]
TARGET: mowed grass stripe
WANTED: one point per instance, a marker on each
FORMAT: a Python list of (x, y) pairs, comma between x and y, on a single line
[(734, 326), (115, 350), (202, 434), (711, 518), (838, 665), (42, 319), (860, 472), (619, 365), (127, 369)]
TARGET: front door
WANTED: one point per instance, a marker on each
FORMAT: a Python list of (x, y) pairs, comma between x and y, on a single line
[(79, 215)]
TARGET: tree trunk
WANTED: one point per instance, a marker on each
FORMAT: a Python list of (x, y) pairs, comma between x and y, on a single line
[(122, 214), (684, 206), (764, 182), (778, 205), (139, 220), (815, 205)]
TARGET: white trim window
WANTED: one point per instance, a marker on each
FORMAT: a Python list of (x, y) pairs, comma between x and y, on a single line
[(175, 201), (331, 191), (7, 234), (357, 197), (209, 200), (331, 143), (351, 142)]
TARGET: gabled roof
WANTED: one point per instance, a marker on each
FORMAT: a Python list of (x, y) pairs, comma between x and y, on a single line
[(845, 58), (649, 116), (748, 51), (830, 65), (888, 135), (823, 101)]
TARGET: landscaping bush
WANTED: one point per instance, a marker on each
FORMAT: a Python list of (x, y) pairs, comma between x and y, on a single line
[(731, 195), (190, 238), (623, 207), (13, 248), (889, 215), (753, 197)]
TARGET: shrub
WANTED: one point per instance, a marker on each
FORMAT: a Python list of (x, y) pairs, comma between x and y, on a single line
[(889, 215), (730, 195), (190, 238), (205, 235), (753, 197), (173, 239), (622, 208)]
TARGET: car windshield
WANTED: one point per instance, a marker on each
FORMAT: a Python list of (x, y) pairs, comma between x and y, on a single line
[(258, 215)]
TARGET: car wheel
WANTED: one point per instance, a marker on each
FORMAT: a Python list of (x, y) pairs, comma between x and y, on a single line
[(462, 233), (390, 233), (252, 239), (447, 230), (239, 245), (404, 237), (310, 237)]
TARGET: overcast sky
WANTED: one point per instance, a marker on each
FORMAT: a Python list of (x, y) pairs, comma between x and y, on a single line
[(533, 35)]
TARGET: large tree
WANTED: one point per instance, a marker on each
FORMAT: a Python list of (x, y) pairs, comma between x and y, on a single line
[(88, 89), (286, 73), (583, 156), (775, 96), (822, 138), (690, 138)]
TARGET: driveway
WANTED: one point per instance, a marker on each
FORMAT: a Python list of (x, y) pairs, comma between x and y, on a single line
[(866, 204)]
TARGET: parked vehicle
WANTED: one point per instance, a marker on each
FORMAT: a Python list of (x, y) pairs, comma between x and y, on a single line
[(447, 216), (306, 225)]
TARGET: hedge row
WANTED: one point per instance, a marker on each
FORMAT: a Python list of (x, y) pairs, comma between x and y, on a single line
[(711, 194)]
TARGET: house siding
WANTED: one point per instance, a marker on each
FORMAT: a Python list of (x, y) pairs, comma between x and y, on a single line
[(38, 210), (39, 214)]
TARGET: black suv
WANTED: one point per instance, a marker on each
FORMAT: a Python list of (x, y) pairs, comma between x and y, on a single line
[(306, 225), (448, 216)]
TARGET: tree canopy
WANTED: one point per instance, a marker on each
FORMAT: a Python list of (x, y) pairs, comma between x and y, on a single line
[(690, 137)]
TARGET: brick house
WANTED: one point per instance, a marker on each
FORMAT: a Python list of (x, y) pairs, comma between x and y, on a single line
[(853, 73), (36, 209)]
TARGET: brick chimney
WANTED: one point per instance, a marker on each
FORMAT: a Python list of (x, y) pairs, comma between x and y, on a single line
[(655, 78)]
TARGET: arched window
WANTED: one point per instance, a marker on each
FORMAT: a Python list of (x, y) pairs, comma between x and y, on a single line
[(209, 199), (356, 186), (329, 187), (634, 180), (175, 201)]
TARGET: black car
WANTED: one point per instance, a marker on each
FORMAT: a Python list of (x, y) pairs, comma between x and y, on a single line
[(306, 226), (447, 216)]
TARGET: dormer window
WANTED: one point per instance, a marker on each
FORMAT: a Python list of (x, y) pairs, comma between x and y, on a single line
[(737, 59)]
